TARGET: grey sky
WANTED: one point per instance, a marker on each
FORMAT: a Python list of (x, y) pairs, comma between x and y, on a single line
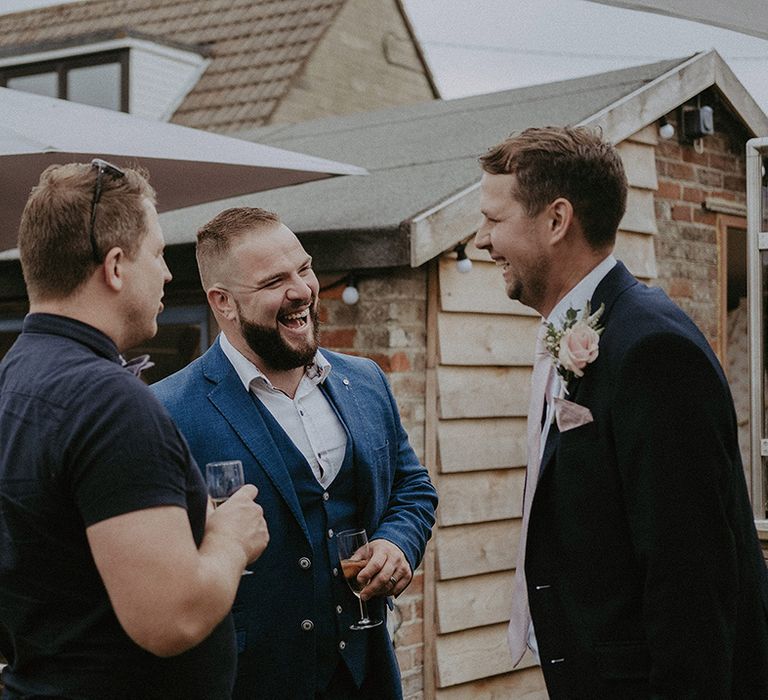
[(488, 45)]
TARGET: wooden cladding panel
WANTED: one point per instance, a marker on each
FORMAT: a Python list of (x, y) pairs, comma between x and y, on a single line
[(482, 392), (479, 601), (640, 216), (477, 653), (477, 444), (637, 252), (527, 684), (475, 339), (481, 290), (480, 496), (479, 548), (639, 164)]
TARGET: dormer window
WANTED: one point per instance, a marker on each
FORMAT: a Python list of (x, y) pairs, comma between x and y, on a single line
[(98, 79)]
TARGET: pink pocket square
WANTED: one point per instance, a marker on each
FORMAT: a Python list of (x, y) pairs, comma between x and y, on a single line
[(570, 415)]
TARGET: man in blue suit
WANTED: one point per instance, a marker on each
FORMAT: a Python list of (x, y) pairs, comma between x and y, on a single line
[(319, 433), (640, 568)]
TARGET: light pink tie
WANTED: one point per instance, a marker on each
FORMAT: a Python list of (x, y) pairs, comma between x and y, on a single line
[(520, 620)]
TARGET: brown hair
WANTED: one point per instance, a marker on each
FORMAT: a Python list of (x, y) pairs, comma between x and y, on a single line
[(570, 162), (215, 238), (54, 246)]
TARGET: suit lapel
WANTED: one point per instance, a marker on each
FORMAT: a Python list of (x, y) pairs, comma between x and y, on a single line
[(235, 404)]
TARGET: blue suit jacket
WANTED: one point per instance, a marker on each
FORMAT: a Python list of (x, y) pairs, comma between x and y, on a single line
[(645, 577), (396, 500)]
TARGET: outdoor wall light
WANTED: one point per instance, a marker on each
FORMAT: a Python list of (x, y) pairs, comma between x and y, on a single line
[(666, 130), (463, 263), (351, 295)]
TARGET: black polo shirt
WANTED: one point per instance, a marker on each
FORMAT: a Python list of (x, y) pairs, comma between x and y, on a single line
[(83, 440)]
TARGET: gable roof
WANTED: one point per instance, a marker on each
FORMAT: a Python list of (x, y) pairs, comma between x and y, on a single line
[(255, 47), (421, 196)]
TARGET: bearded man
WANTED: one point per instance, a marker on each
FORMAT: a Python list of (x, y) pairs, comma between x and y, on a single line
[(320, 435)]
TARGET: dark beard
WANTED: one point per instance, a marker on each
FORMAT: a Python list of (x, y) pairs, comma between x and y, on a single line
[(268, 344)]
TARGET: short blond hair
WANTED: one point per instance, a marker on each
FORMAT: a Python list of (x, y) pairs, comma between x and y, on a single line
[(54, 245)]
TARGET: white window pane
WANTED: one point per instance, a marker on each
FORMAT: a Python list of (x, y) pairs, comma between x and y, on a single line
[(95, 85), (39, 83)]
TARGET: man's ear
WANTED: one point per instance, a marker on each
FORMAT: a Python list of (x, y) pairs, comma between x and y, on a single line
[(113, 268), (560, 218), (222, 303)]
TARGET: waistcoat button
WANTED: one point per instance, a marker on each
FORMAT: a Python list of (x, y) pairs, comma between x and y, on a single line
[(307, 625), (305, 563)]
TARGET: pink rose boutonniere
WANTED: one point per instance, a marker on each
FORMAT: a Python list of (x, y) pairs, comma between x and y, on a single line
[(576, 344)]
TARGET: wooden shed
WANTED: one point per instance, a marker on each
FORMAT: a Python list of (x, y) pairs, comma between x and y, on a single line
[(457, 351)]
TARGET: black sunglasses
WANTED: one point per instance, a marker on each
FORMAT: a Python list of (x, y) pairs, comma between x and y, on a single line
[(102, 166)]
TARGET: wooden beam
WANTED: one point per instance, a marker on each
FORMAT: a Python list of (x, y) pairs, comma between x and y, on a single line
[(640, 216), (487, 339), (442, 226), (649, 135), (474, 602), (739, 99), (480, 496), (477, 653), (637, 251), (477, 444), (527, 684), (468, 550), (483, 392)]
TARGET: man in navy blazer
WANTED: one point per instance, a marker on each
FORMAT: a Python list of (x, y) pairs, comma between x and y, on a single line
[(643, 573), (319, 434)]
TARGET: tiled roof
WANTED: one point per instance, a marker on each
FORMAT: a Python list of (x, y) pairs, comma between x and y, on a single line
[(256, 47)]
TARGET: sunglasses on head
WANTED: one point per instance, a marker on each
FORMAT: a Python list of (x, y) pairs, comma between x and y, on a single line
[(102, 167)]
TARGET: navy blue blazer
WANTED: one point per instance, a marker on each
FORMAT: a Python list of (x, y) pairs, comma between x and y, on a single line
[(396, 500), (645, 576)]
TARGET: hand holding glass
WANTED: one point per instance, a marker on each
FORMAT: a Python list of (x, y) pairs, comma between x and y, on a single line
[(354, 553), (222, 480)]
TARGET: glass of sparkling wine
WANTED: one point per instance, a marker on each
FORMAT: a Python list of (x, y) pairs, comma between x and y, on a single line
[(222, 480), (354, 553)]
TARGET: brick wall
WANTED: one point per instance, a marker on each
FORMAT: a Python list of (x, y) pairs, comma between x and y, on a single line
[(388, 325), (686, 245)]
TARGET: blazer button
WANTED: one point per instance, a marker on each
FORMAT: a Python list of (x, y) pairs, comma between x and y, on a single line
[(335, 571), (326, 496), (305, 563), (307, 625), (338, 609), (330, 534), (342, 645)]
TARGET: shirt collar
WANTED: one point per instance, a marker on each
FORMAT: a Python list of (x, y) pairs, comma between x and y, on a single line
[(248, 372), (578, 297), (73, 329)]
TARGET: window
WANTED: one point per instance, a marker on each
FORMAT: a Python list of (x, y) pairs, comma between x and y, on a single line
[(99, 79)]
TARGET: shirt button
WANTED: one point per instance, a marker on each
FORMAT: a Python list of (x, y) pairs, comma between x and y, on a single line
[(326, 496), (301, 413), (345, 381), (330, 533), (342, 645), (307, 625), (338, 609), (305, 563)]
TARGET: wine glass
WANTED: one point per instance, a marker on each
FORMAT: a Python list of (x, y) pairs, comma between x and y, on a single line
[(222, 480), (354, 553)]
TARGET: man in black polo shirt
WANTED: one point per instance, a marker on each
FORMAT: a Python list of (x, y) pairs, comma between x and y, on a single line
[(113, 583)]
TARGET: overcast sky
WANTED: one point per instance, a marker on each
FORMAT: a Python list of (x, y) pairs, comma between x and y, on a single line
[(476, 46)]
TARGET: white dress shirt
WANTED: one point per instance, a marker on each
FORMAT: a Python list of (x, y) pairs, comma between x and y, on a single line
[(308, 418)]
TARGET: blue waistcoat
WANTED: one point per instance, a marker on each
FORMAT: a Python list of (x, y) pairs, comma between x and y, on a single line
[(326, 512)]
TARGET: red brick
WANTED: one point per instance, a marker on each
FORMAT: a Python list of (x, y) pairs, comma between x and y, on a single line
[(690, 156), (682, 212), (711, 178), (668, 190), (680, 171), (702, 216), (693, 194), (728, 164), (399, 362), (339, 338), (410, 634)]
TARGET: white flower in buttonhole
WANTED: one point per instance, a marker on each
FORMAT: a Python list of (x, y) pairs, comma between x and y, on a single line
[(576, 344)]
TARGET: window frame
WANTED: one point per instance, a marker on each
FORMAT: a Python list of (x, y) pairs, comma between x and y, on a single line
[(61, 66)]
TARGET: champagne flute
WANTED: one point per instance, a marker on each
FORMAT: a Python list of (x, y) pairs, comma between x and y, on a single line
[(354, 553), (222, 480)]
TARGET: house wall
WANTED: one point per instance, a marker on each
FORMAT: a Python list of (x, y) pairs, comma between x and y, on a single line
[(388, 325), (365, 61)]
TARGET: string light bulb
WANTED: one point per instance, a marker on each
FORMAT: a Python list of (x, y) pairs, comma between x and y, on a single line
[(463, 263), (666, 130), (351, 295)]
